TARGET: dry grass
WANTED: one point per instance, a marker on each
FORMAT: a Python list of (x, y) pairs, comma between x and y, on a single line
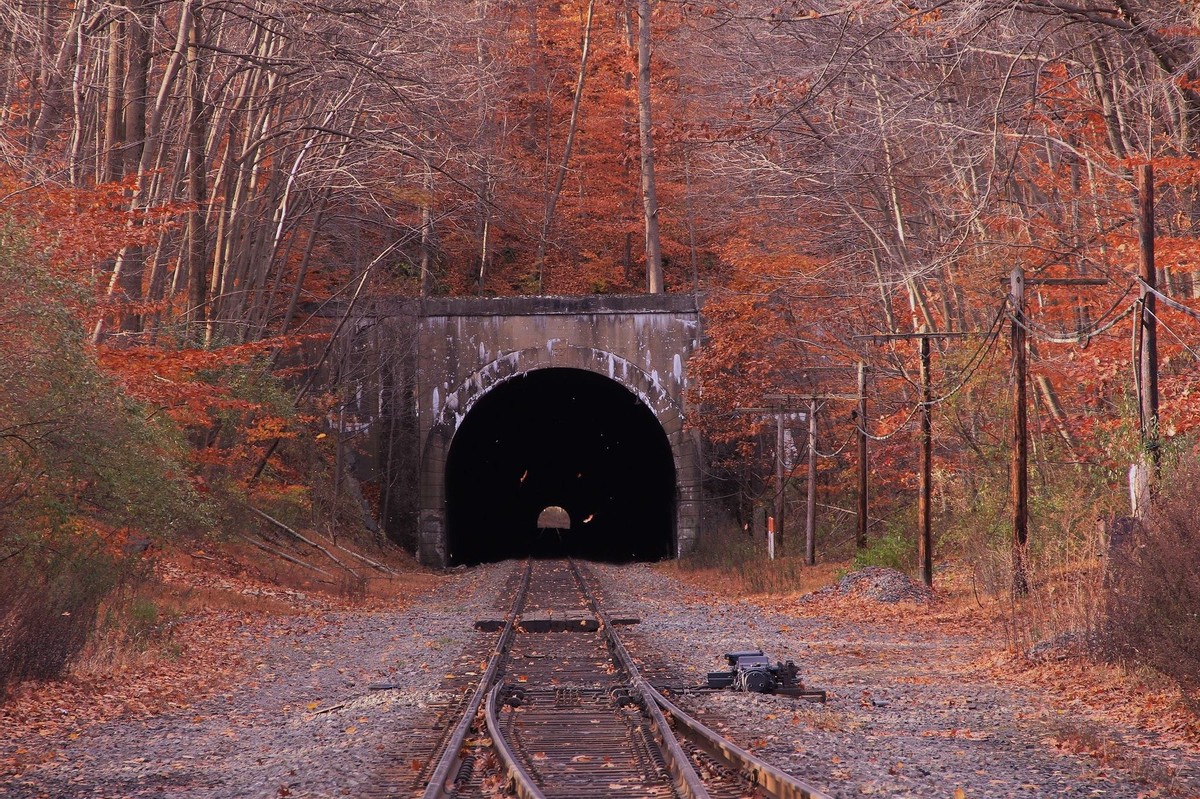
[(138, 628), (1084, 737), (1064, 605), (235, 576), (734, 564), (783, 576)]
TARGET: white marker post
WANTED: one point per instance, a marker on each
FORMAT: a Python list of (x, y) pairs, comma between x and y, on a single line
[(770, 538)]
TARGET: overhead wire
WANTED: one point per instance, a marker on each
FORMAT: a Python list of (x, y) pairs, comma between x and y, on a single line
[(1176, 336), (1173, 303), (977, 358), (973, 366), (834, 453), (1046, 334)]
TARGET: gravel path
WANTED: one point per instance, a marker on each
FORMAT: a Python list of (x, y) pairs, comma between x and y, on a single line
[(906, 716), (305, 724)]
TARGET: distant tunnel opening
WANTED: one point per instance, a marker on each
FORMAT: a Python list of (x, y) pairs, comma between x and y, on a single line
[(567, 438)]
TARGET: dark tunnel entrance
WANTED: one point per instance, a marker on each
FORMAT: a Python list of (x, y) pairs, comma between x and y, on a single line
[(568, 438)]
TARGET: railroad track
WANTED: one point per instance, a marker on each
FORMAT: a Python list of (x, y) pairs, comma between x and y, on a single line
[(567, 714)]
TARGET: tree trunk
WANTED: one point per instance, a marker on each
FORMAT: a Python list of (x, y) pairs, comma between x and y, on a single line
[(132, 261), (654, 273), (53, 89), (112, 160), (572, 127), (427, 234), (197, 184)]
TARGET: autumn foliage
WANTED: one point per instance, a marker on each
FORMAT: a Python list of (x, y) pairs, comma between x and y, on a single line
[(105, 450), (86, 475), (191, 193)]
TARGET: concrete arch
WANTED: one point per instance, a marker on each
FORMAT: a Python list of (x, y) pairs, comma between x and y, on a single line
[(645, 386), (450, 412)]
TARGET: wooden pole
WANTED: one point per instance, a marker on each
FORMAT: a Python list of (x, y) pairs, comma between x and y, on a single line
[(925, 542), (654, 270), (810, 521), (1149, 361), (925, 498), (779, 479), (793, 403), (1020, 438), (860, 537)]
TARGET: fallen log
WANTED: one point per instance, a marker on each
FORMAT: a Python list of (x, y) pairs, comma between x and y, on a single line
[(284, 555), (303, 538)]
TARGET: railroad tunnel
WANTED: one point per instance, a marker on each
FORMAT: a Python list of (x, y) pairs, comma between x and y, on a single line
[(553, 440)]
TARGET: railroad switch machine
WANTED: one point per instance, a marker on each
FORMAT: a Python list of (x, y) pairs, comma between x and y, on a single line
[(752, 671)]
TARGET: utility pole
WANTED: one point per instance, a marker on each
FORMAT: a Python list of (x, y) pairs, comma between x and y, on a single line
[(860, 537), (1020, 438), (1020, 429), (779, 405), (925, 542), (1148, 368), (925, 473), (810, 520), (779, 483)]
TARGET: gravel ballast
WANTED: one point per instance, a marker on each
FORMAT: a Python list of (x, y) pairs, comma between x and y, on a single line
[(907, 716), (306, 722)]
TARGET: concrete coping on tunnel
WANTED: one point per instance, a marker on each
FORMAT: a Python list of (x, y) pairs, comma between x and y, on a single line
[(547, 305)]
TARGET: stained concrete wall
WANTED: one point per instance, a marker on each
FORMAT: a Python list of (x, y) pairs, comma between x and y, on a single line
[(465, 347)]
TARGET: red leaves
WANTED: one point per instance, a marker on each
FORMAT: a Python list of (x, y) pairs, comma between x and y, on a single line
[(198, 390)]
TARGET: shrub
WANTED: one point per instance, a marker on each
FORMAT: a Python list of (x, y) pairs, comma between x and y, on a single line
[(81, 467), (1153, 601), (723, 548), (48, 606), (893, 550), (71, 441)]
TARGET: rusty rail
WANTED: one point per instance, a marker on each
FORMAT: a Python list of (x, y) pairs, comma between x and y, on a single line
[(523, 783), (662, 725), (440, 783), (687, 781), (756, 771)]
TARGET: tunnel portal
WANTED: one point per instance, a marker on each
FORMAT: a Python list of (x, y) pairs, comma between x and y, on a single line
[(560, 437)]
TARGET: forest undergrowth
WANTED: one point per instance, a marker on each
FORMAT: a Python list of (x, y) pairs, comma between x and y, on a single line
[(114, 462)]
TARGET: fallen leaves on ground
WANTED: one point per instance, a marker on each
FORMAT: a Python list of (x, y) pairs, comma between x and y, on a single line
[(1116, 708), (227, 607)]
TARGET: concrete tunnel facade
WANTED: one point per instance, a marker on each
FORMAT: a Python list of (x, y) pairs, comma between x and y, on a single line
[(524, 403)]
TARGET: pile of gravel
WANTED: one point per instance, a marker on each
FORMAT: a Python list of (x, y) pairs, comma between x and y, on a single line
[(880, 584)]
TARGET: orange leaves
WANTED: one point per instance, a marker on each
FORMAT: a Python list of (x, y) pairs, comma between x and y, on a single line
[(79, 227), (211, 395), (757, 341)]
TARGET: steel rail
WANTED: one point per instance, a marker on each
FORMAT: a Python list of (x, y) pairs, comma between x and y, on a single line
[(522, 781), (439, 785), (687, 781), (760, 773)]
